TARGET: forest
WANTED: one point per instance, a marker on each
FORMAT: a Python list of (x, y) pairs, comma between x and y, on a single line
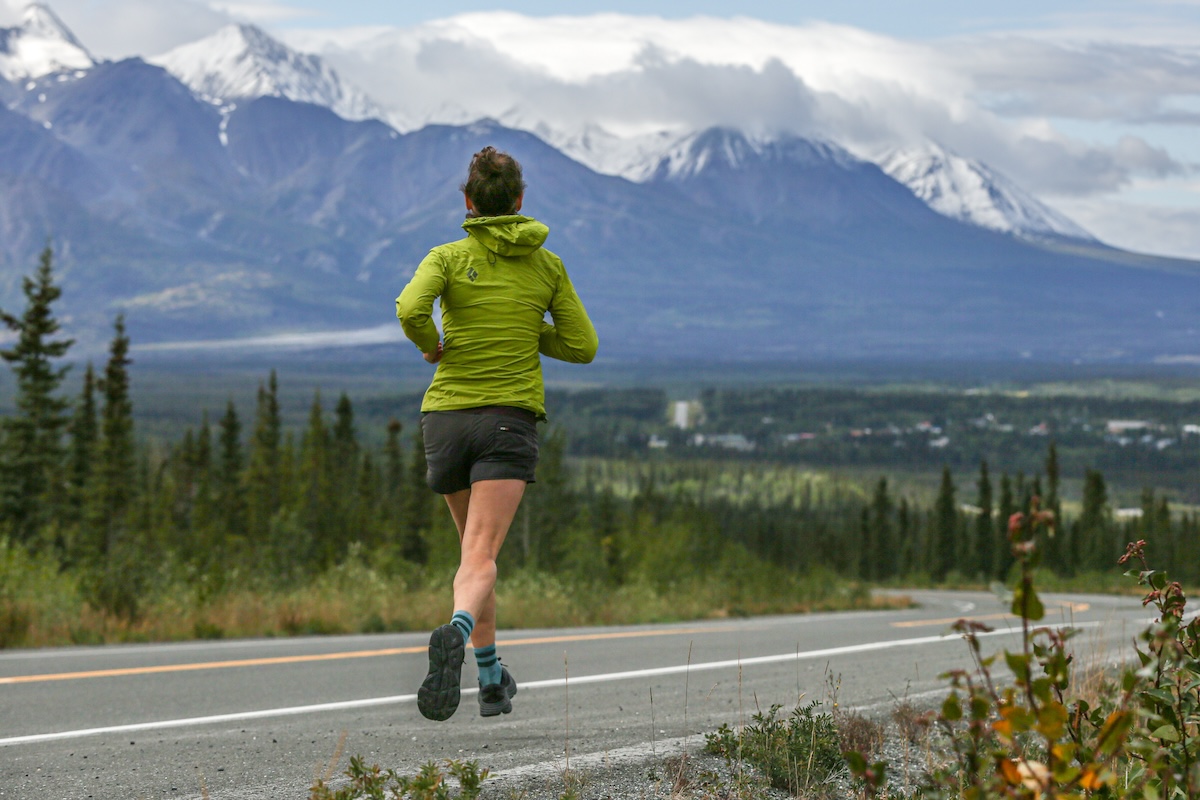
[(102, 529)]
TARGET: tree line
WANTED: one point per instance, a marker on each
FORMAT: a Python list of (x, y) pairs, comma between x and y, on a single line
[(251, 501)]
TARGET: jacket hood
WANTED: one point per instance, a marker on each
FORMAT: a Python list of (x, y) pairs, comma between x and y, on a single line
[(512, 235)]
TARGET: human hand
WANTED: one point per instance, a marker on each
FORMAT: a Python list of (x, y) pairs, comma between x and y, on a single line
[(435, 356)]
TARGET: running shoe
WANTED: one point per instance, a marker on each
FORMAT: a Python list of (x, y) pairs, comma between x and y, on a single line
[(439, 694), (496, 698)]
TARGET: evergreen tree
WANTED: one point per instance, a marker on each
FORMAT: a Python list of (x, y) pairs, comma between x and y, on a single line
[(882, 557), (946, 527), (1005, 510), (1094, 523), (32, 487), (120, 562), (314, 479), (110, 492), (985, 527), (394, 484), (418, 516), (263, 472), (84, 432), (907, 559), (230, 497)]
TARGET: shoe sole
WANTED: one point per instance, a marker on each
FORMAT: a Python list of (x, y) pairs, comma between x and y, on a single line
[(501, 706), (438, 697)]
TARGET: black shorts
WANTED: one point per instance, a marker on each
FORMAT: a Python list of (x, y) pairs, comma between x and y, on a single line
[(492, 443)]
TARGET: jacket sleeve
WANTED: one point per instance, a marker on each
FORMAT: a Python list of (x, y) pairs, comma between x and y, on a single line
[(572, 337), (414, 306)]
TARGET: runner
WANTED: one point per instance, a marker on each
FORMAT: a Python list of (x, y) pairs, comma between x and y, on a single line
[(479, 413)]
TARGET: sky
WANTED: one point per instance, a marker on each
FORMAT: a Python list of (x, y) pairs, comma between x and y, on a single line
[(1093, 105)]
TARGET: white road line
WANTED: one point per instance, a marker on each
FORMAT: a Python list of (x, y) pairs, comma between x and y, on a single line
[(545, 684)]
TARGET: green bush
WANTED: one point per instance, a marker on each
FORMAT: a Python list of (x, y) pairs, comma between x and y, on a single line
[(795, 754), (430, 783)]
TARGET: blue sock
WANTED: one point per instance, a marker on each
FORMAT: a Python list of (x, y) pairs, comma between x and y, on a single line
[(489, 665), (465, 624)]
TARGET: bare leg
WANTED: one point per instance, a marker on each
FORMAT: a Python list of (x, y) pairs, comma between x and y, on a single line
[(482, 515)]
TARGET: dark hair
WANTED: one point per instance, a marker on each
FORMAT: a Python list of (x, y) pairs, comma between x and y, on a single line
[(493, 183)]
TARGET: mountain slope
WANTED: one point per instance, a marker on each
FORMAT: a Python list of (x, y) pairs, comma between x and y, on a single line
[(972, 192), (278, 216), (241, 62), (39, 46)]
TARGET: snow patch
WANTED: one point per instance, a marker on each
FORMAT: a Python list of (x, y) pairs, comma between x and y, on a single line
[(41, 45), (243, 62), (970, 191)]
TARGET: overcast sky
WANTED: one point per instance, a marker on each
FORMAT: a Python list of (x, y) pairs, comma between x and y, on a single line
[(1094, 105)]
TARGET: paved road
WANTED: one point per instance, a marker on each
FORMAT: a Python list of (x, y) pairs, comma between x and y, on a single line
[(261, 718)]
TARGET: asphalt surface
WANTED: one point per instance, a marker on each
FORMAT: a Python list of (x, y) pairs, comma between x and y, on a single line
[(264, 718)]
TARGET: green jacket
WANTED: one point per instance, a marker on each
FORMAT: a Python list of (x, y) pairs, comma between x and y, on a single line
[(495, 286)]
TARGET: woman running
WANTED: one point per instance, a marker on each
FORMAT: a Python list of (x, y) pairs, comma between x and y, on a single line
[(479, 413)]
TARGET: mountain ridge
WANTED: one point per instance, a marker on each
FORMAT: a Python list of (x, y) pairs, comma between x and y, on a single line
[(270, 217)]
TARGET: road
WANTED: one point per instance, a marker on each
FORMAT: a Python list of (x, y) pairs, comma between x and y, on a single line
[(262, 718)]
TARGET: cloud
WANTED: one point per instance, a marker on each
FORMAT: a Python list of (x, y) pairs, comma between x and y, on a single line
[(995, 98), (121, 28), (1096, 81), (262, 13), (1140, 227)]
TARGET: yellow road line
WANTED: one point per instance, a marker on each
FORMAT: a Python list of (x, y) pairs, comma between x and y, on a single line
[(263, 662), (918, 623)]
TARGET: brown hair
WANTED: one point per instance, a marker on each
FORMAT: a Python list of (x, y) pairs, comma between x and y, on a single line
[(493, 183)]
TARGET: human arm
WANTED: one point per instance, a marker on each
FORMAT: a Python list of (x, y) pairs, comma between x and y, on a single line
[(414, 306), (571, 337)]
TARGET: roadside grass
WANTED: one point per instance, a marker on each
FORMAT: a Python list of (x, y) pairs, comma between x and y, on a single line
[(42, 605)]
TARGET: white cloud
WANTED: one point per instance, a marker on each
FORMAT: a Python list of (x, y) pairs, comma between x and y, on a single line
[(983, 97), (1140, 227), (261, 13), (122, 28)]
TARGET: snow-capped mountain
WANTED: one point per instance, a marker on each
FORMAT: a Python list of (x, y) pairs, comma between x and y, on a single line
[(241, 62), (967, 190), (39, 46)]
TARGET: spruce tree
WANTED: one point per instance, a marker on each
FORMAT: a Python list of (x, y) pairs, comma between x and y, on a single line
[(418, 511), (263, 472), (946, 525), (882, 555), (985, 528), (230, 497), (394, 485), (84, 432), (111, 488), (1004, 511), (317, 500), (1096, 547), (32, 487)]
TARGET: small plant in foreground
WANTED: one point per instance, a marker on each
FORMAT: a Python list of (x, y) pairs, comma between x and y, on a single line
[(375, 783), (1032, 739), (796, 754), (1165, 747)]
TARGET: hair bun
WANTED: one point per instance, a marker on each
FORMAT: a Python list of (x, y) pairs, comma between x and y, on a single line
[(494, 182)]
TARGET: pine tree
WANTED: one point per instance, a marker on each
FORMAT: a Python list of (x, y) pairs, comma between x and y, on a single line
[(418, 516), (84, 432), (985, 527), (1004, 511), (394, 485), (263, 472), (1094, 523), (231, 503), (946, 525), (33, 491), (314, 477), (119, 561), (110, 492), (882, 556)]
